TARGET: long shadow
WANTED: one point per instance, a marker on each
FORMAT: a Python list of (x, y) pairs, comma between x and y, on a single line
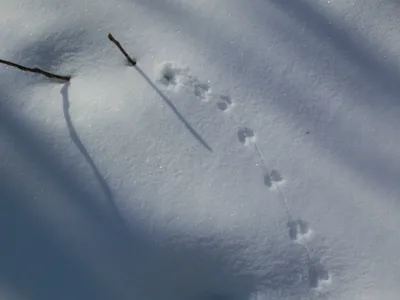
[(75, 138), (78, 143), (116, 245), (174, 109)]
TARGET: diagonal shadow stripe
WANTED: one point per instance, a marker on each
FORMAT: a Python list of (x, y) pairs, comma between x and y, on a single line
[(174, 109)]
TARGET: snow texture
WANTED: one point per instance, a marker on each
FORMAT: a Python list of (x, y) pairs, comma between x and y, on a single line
[(252, 152)]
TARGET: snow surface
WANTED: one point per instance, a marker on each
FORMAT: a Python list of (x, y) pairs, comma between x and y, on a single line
[(252, 153)]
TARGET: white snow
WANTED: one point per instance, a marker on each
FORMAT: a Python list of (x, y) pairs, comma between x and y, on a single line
[(252, 153)]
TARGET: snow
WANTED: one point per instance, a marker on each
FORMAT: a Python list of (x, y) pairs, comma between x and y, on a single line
[(252, 153)]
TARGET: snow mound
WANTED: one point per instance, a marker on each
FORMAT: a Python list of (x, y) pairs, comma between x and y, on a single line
[(252, 152)]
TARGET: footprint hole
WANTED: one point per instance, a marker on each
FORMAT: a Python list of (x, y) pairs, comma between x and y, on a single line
[(272, 178), (226, 99), (246, 135), (276, 176), (298, 229), (267, 180), (201, 90), (317, 275), (222, 105), (168, 76)]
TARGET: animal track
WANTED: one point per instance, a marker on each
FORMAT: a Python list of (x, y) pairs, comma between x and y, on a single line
[(169, 76), (202, 90), (224, 103), (246, 136), (173, 76), (298, 230), (272, 178), (318, 275)]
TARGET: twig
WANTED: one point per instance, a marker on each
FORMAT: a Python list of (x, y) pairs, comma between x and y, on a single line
[(130, 60), (35, 70)]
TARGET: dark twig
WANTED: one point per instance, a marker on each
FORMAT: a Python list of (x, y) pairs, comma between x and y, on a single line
[(35, 70), (130, 60)]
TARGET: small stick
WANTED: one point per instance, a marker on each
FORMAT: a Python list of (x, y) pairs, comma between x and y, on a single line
[(130, 60), (35, 70)]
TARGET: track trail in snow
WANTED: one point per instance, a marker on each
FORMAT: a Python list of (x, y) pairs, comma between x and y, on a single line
[(175, 78)]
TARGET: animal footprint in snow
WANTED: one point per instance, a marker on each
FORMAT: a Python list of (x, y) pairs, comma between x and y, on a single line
[(299, 230), (202, 91), (272, 178), (246, 136), (318, 275), (173, 76), (224, 102)]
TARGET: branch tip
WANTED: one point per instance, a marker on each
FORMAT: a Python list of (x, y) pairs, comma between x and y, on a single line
[(35, 70), (130, 60)]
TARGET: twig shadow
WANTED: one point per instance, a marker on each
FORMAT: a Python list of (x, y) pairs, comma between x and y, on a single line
[(78, 143), (174, 109)]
